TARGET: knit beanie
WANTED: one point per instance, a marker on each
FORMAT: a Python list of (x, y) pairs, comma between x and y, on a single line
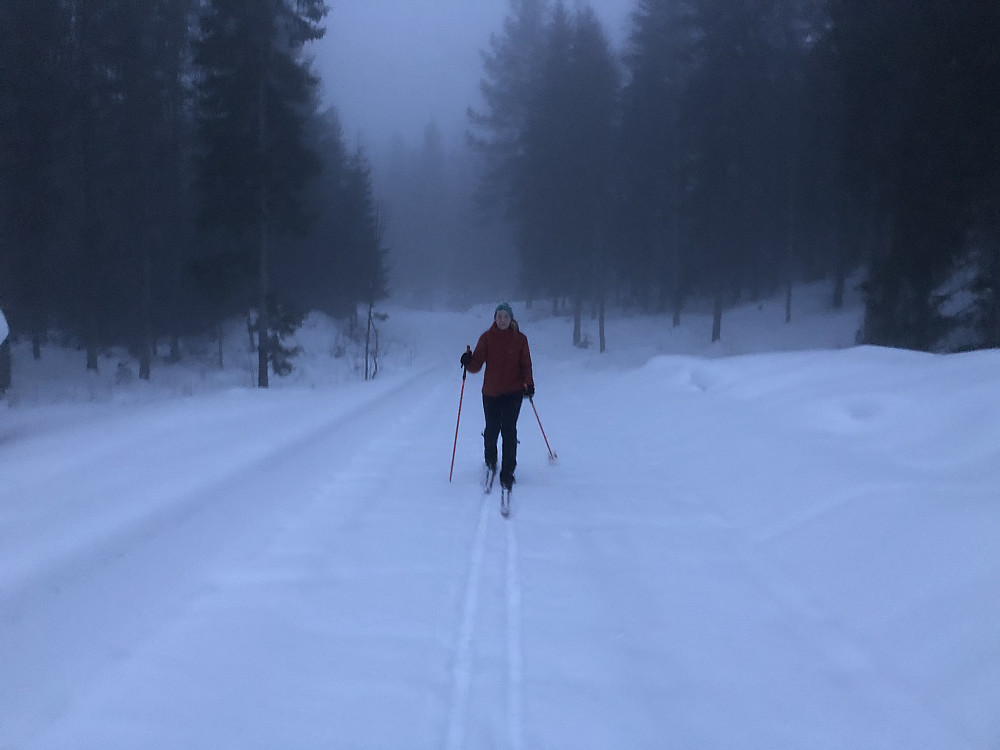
[(504, 306)]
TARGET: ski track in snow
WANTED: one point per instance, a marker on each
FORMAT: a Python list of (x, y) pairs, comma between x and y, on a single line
[(482, 566), (462, 669), (327, 478), (514, 654)]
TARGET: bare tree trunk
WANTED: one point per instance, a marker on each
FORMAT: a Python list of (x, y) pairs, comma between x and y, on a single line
[(838, 239), (36, 305), (263, 324), (262, 338), (993, 337), (84, 130), (145, 360), (145, 350), (600, 325), (251, 335), (368, 337), (839, 282), (677, 293), (5, 366), (788, 300), (577, 313), (793, 173), (717, 316), (92, 356)]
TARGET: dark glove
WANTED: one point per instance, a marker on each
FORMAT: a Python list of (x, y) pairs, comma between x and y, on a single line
[(466, 358), (529, 390)]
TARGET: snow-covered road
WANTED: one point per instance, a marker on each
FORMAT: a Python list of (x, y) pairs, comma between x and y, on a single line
[(781, 551), (122, 534)]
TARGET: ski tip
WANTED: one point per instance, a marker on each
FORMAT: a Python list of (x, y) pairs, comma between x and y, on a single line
[(504, 501)]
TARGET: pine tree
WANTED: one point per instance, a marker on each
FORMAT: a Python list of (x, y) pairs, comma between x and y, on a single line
[(511, 72), (732, 125), (553, 96), (658, 63), (34, 98), (594, 85), (312, 274), (171, 302), (253, 95), (364, 232), (921, 81), (541, 189), (151, 126), (92, 291)]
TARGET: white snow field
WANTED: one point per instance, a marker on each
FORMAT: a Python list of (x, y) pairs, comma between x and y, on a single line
[(779, 542)]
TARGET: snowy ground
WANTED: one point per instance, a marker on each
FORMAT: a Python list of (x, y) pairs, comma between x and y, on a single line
[(774, 542)]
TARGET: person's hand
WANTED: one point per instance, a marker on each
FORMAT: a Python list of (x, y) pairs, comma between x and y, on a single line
[(529, 390), (466, 358)]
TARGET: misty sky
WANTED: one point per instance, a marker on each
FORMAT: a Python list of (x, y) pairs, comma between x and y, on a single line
[(393, 66)]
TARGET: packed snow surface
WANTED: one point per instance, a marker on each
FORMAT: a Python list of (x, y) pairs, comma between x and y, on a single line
[(777, 541)]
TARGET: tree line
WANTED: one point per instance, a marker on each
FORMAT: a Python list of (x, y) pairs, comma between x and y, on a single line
[(166, 165), (736, 146)]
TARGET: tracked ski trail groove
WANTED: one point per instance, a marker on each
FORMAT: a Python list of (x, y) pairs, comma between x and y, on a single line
[(514, 653), (462, 669), (490, 624)]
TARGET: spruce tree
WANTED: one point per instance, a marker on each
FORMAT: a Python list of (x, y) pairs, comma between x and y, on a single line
[(511, 71), (658, 63), (591, 172), (922, 117), (94, 291), (34, 98), (254, 91), (736, 197), (541, 185)]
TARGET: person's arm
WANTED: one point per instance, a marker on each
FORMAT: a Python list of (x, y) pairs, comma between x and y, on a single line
[(527, 376), (478, 356)]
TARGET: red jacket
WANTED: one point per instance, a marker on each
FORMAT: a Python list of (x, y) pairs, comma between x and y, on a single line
[(507, 360)]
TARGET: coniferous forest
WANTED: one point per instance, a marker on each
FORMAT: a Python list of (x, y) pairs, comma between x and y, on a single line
[(735, 147), (166, 165)]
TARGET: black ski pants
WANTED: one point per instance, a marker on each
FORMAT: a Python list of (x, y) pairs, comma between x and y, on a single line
[(501, 419)]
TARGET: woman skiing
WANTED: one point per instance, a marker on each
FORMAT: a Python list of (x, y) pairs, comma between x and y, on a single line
[(508, 379)]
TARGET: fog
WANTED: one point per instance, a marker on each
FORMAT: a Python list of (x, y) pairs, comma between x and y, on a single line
[(391, 67), (402, 75)]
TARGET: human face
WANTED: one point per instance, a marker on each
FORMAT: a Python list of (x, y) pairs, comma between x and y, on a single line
[(502, 319)]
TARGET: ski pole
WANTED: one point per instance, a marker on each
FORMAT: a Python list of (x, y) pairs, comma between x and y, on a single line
[(461, 395), (552, 456)]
